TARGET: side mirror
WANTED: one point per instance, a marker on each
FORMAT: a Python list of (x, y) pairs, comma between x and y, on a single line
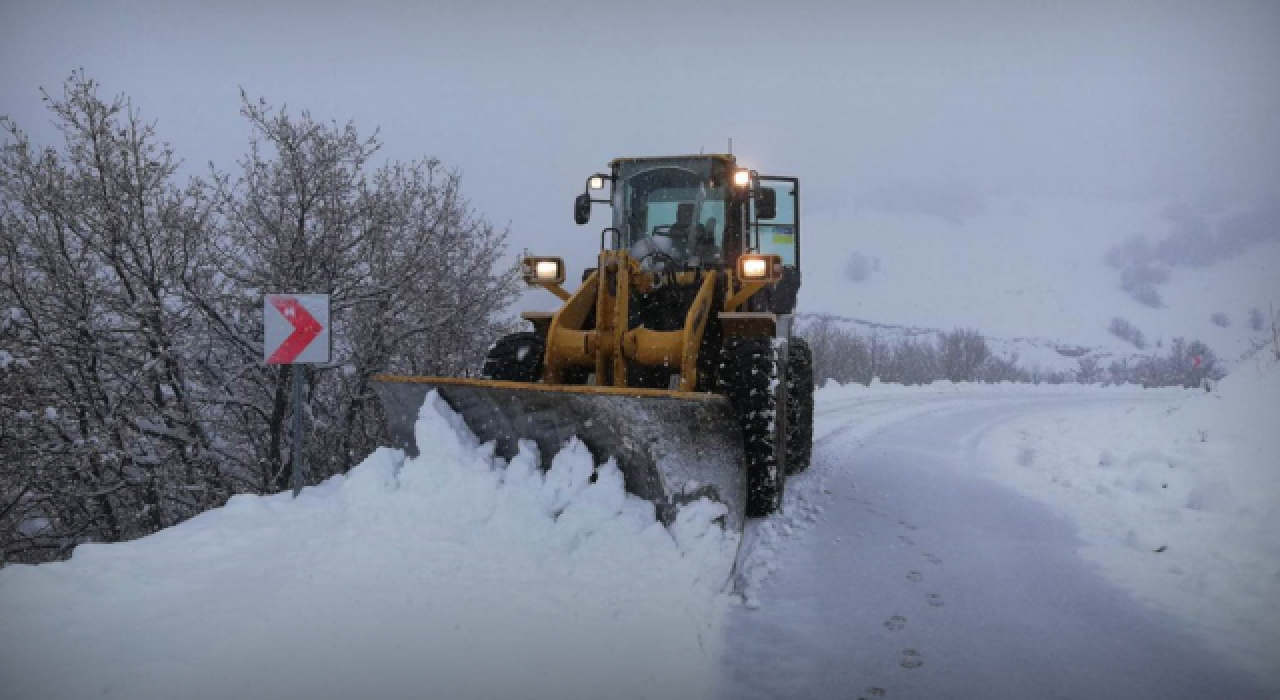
[(767, 203), (582, 209)]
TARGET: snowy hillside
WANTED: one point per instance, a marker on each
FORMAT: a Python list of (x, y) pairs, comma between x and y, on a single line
[(1053, 269)]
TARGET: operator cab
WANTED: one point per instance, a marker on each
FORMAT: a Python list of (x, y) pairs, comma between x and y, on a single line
[(671, 211), (698, 212)]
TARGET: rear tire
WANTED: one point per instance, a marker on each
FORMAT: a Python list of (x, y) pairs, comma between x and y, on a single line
[(799, 405), (515, 358), (749, 377)]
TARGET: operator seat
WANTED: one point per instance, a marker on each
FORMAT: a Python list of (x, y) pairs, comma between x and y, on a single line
[(704, 241)]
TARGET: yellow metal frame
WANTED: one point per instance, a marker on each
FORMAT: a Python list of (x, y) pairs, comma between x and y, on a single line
[(611, 347), (568, 389)]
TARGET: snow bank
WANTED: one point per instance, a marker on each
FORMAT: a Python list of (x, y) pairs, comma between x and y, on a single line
[(1178, 501), (453, 575)]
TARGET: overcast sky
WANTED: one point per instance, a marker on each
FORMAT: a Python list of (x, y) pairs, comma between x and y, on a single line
[(1116, 99)]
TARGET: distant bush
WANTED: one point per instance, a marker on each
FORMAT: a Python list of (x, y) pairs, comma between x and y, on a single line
[(1275, 333), (1186, 364), (847, 357), (1220, 319), (960, 355), (963, 355), (962, 352), (1127, 332), (860, 267), (1257, 320), (1090, 371)]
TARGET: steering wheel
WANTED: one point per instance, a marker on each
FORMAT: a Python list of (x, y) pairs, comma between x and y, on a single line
[(669, 264), (659, 255)]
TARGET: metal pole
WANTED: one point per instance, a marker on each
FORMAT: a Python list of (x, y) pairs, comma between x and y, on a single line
[(298, 447)]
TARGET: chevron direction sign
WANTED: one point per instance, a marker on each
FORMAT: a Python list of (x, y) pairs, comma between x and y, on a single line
[(296, 329)]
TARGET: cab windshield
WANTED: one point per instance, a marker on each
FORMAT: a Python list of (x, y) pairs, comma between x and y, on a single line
[(672, 209)]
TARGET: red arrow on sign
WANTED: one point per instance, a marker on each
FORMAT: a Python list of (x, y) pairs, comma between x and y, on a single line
[(305, 330)]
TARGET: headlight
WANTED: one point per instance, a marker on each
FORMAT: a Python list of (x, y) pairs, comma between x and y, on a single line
[(546, 270), (753, 268), (543, 270), (596, 182), (741, 178)]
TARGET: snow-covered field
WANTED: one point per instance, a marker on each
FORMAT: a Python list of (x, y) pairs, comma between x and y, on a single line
[(438, 577), (1177, 502), (456, 576)]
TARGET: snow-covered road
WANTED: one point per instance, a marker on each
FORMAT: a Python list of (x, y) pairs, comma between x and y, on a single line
[(903, 573)]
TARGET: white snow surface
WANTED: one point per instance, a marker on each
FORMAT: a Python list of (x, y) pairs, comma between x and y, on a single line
[(455, 575), (452, 575), (1177, 502)]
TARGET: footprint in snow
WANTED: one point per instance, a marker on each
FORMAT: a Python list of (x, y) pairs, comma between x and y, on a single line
[(907, 525), (911, 659), (934, 600), (873, 692), (906, 540), (933, 558), (915, 576), (895, 623)]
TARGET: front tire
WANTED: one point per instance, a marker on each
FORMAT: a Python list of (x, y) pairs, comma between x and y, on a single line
[(515, 358), (799, 405), (748, 376)]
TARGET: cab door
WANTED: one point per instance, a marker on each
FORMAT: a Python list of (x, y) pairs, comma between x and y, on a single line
[(781, 236)]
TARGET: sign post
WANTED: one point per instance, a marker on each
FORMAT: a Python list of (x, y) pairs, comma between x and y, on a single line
[(296, 330)]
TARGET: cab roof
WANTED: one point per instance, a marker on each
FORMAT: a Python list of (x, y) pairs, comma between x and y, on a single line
[(727, 157)]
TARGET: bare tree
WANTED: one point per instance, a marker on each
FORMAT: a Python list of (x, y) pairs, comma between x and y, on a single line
[(97, 238), (132, 389), (962, 353), (413, 273)]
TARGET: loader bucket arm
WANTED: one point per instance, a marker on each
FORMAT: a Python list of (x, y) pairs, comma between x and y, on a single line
[(672, 447)]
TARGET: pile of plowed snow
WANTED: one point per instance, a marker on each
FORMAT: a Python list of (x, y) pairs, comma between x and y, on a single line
[(452, 575), (1178, 501)]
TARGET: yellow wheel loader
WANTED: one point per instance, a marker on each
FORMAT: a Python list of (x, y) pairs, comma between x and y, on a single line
[(674, 357)]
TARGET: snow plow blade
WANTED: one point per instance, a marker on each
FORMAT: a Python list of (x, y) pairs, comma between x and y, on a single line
[(672, 447)]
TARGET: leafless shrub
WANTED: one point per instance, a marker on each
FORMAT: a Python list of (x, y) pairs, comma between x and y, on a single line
[(1257, 320), (1127, 332)]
